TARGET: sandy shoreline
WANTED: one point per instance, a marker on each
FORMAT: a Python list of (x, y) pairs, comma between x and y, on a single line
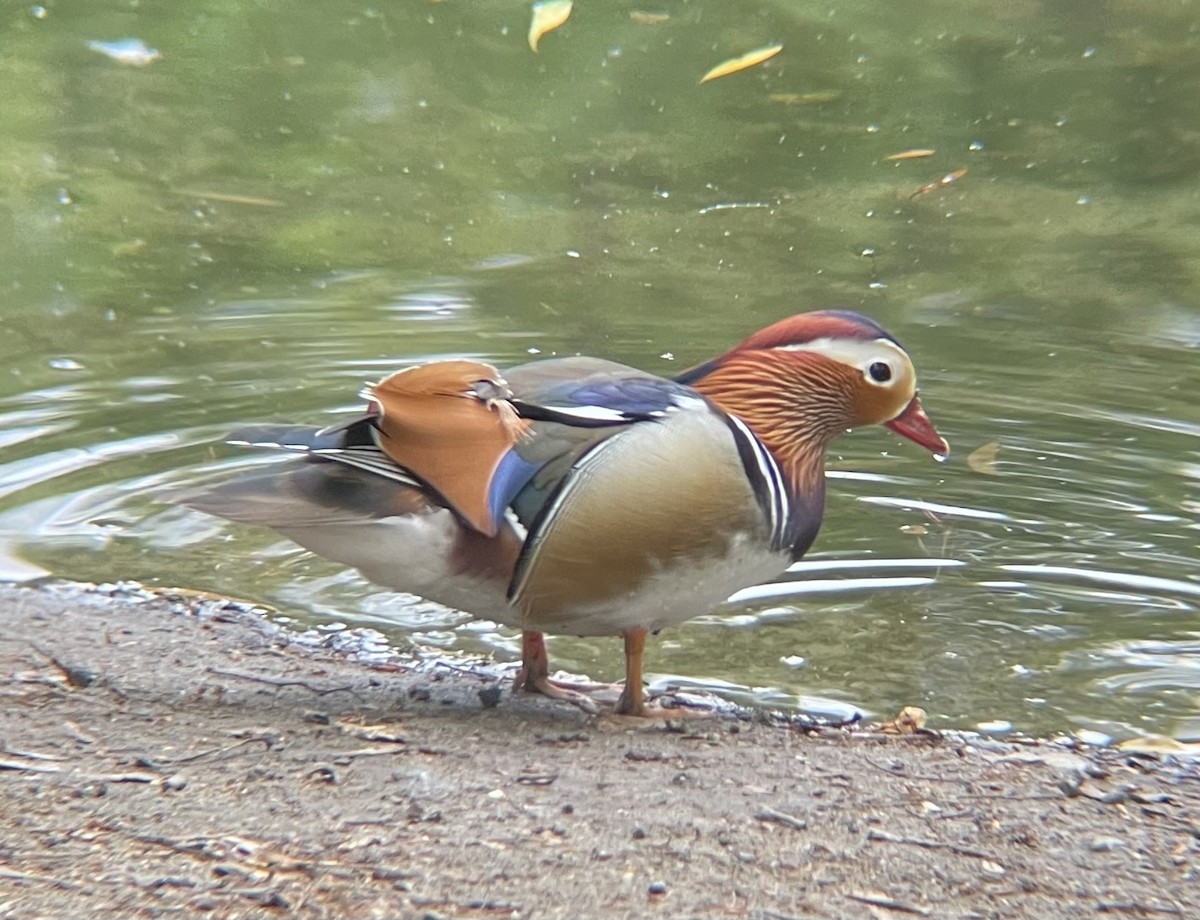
[(166, 755)]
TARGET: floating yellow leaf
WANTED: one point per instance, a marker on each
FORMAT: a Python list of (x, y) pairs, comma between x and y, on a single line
[(646, 18), (918, 154), (816, 97), (547, 16), (128, 247), (228, 198), (983, 459), (749, 59)]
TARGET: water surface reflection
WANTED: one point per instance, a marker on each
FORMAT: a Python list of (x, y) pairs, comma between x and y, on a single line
[(188, 248)]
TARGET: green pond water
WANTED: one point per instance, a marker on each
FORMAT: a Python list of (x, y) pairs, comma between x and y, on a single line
[(262, 205)]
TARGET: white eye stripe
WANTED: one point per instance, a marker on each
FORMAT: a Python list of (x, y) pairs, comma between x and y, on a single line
[(860, 354)]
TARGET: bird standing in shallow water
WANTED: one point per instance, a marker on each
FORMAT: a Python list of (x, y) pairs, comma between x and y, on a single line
[(581, 496)]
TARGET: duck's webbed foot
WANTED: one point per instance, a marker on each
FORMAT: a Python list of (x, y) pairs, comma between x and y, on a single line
[(534, 675)]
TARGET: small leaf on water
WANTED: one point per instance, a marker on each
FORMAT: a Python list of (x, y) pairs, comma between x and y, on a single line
[(128, 247), (917, 154), (983, 459), (749, 59), (547, 16), (229, 198), (816, 97)]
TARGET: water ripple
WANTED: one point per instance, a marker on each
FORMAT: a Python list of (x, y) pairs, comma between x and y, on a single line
[(825, 586), (934, 507), (1119, 579)]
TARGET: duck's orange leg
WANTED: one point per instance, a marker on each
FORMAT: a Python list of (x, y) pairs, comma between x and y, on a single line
[(534, 675), (633, 697), (632, 702)]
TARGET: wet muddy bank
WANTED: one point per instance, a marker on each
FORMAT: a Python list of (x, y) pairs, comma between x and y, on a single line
[(179, 753)]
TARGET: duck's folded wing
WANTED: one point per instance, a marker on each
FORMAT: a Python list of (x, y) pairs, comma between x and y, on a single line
[(351, 443), (477, 439), (636, 520), (301, 494), (450, 434), (575, 405)]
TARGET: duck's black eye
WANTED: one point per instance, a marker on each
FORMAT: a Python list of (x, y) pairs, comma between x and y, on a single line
[(880, 372)]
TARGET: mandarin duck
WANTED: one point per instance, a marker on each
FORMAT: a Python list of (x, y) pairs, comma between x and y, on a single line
[(581, 496)]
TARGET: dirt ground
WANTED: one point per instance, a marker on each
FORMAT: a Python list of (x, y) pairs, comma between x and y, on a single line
[(174, 754)]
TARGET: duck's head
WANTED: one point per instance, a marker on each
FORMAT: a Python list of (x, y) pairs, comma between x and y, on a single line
[(800, 382)]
